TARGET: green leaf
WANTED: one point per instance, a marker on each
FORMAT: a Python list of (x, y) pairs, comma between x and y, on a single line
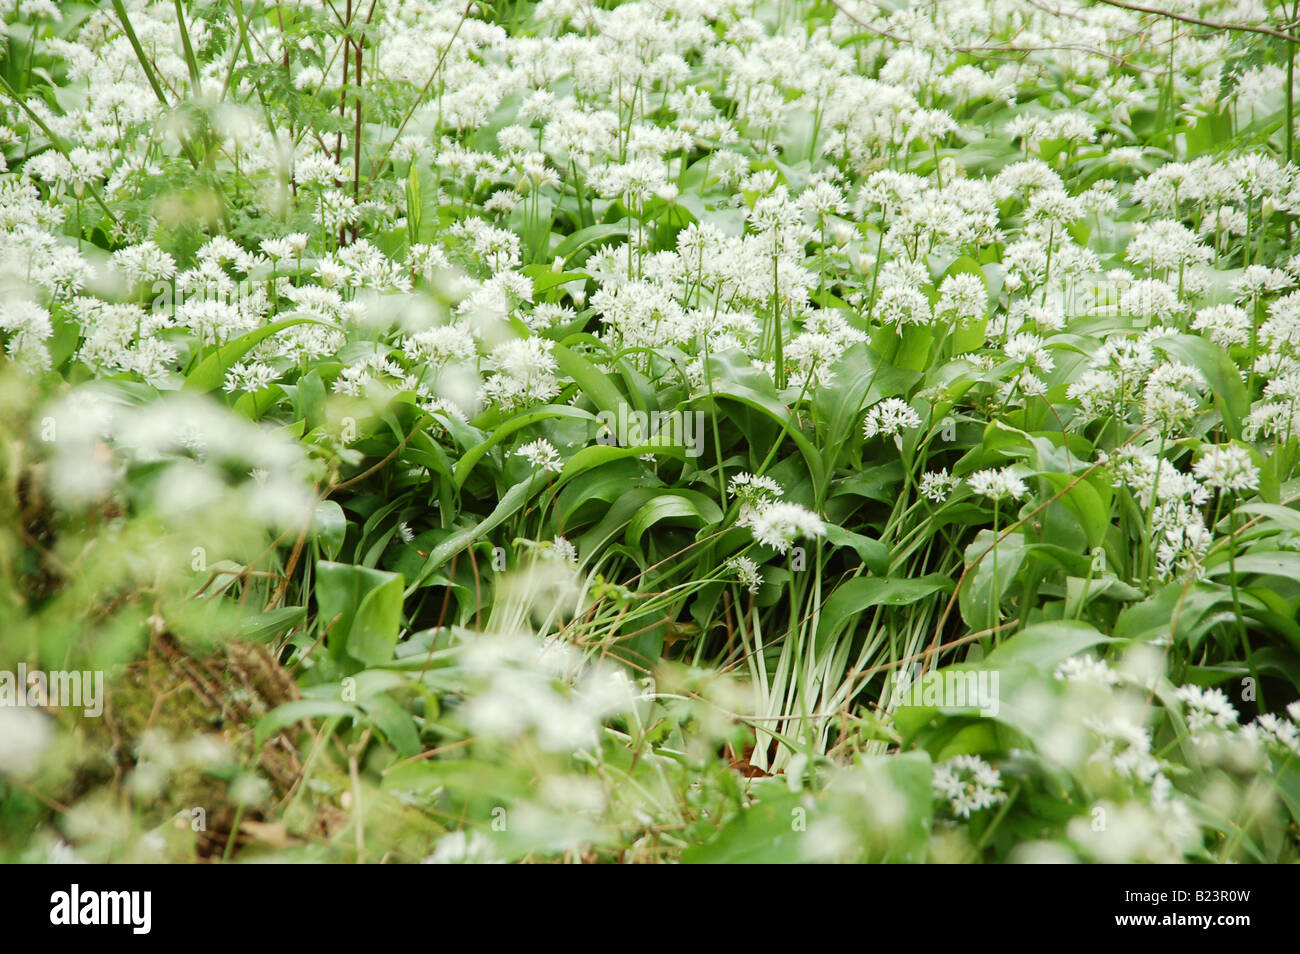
[(377, 623), (547, 411), (590, 235), (1022, 667), (394, 722), (211, 372), (688, 505), (982, 593), (615, 519), (545, 278), (762, 834), (1179, 609), (594, 383), (1266, 563), (873, 553), (1089, 504), (849, 600), (1219, 371), (264, 627), (511, 501), (1285, 516), (368, 606), (1043, 646), (293, 712), (728, 384), (330, 526)]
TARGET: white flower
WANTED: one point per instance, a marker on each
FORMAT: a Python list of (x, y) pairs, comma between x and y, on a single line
[(1125, 747), (145, 262), (963, 297), (889, 418), (1206, 708), (778, 525), (749, 486), (997, 484), (755, 492), (968, 784), (457, 848), (24, 736), (1270, 731), (524, 375), (1088, 670), (563, 550), (746, 571), (1227, 467), (542, 456), (937, 484)]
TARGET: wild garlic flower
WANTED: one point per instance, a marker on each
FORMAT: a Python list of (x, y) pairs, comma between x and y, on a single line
[(746, 571), (936, 485), (1271, 732), (890, 418), (1206, 708), (28, 327), (1227, 467), (1086, 669), (546, 691), (754, 492), (461, 848), (1028, 350), (1151, 298), (1125, 747), (778, 525), (144, 263), (1144, 474), (998, 485), (1165, 245), (967, 784), (250, 376), (962, 298), (525, 374), (1172, 394), (542, 455), (561, 550), (1225, 325)]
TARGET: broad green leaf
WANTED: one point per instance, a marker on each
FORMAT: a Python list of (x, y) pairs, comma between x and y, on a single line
[(211, 371), (510, 502), (264, 627), (591, 235), (525, 419), (330, 526), (995, 570), (364, 608), (851, 599), (377, 623), (1088, 501), (1219, 371), (688, 505), (762, 834), (873, 553), (595, 384), (293, 712)]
